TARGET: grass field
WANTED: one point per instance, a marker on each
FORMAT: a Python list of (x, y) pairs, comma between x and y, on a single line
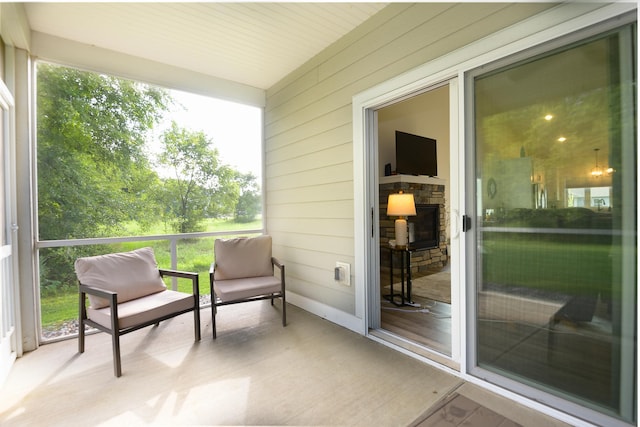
[(559, 267), (195, 255)]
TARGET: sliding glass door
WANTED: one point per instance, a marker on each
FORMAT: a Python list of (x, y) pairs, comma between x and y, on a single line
[(554, 157)]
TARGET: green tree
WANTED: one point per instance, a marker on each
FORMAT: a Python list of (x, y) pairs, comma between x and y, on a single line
[(93, 169), (223, 200), (197, 179), (249, 203)]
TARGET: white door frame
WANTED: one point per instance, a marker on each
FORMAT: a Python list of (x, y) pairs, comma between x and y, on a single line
[(9, 341), (453, 196)]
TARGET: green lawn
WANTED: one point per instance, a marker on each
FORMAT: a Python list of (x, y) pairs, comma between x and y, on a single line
[(194, 255), (557, 266)]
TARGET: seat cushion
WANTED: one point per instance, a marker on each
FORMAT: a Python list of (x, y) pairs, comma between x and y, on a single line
[(243, 257), (130, 274), (140, 310), (237, 289)]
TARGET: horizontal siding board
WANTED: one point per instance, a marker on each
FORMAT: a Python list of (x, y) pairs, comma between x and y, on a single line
[(316, 125), (301, 84), (332, 297), (311, 177), (323, 260), (313, 226), (339, 209), (326, 140), (335, 101), (316, 193), (340, 246), (328, 157)]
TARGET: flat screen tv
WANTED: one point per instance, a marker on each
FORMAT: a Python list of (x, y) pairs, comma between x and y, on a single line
[(415, 155)]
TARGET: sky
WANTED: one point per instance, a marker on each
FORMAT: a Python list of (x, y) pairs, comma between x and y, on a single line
[(235, 129)]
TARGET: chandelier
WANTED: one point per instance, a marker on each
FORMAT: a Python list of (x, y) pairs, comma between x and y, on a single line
[(598, 171)]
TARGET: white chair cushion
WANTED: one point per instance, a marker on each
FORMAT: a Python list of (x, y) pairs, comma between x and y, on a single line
[(235, 289), (140, 310), (243, 257), (130, 274)]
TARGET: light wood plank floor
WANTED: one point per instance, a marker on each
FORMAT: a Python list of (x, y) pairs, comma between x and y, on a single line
[(428, 325), (312, 372)]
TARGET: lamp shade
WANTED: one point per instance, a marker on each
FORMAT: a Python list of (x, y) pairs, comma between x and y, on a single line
[(401, 204)]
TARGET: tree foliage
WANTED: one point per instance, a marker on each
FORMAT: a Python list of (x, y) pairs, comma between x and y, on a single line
[(93, 171), (249, 202), (198, 183)]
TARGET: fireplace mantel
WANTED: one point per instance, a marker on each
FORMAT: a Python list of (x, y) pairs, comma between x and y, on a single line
[(412, 179)]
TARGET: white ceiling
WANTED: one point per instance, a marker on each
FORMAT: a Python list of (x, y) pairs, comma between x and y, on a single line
[(256, 44)]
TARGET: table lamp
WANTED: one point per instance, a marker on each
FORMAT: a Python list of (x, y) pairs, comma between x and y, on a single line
[(401, 205)]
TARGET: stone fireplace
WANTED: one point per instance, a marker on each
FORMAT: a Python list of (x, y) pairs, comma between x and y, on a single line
[(428, 227)]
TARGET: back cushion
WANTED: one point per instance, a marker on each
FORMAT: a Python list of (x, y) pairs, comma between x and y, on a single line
[(243, 257), (131, 274)]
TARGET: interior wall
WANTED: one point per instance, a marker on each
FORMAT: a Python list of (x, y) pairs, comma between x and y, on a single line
[(426, 115), (309, 191)]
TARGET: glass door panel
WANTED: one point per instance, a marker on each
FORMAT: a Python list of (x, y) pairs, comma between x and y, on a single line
[(555, 173)]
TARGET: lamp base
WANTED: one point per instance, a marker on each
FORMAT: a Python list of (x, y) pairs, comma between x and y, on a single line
[(402, 236)]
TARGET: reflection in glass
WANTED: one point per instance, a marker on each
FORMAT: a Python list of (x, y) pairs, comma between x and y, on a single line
[(554, 240)]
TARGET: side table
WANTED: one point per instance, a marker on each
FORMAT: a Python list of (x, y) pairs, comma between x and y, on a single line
[(405, 270)]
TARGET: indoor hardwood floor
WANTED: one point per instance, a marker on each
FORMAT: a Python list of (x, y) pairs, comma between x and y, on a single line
[(428, 325)]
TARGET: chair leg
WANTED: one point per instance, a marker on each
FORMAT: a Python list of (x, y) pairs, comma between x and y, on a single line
[(81, 315), (196, 322), (213, 318), (117, 365), (81, 337), (284, 311)]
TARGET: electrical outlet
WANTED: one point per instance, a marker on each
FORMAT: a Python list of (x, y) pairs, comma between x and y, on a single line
[(343, 275)]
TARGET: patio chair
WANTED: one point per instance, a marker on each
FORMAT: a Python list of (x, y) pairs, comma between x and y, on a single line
[(126, 293), (243, 271)]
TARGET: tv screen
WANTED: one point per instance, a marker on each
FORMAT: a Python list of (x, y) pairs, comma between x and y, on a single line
[(415, 155)]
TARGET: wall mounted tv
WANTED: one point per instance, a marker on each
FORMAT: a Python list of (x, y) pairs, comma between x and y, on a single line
[(415, 155)]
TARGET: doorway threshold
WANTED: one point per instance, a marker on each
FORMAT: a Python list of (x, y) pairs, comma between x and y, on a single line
[(397, 341)]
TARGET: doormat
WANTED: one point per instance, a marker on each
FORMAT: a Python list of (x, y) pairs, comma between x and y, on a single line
[(458, 410)]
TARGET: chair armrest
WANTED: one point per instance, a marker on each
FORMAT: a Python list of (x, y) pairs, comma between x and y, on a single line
[(277, 263), (176, 273), (184, 275), (212, 272), (280, 266), (102, 293)]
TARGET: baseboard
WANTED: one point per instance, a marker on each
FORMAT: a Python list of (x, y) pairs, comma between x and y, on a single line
[(332, 314)]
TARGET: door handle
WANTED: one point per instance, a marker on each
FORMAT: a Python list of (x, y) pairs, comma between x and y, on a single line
[(466, 223)]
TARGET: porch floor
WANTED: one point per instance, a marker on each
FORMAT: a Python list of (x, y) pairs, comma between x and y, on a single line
[(312, 372)]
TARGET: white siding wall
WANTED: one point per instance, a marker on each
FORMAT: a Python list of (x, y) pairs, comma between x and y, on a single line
[(308, 131)]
